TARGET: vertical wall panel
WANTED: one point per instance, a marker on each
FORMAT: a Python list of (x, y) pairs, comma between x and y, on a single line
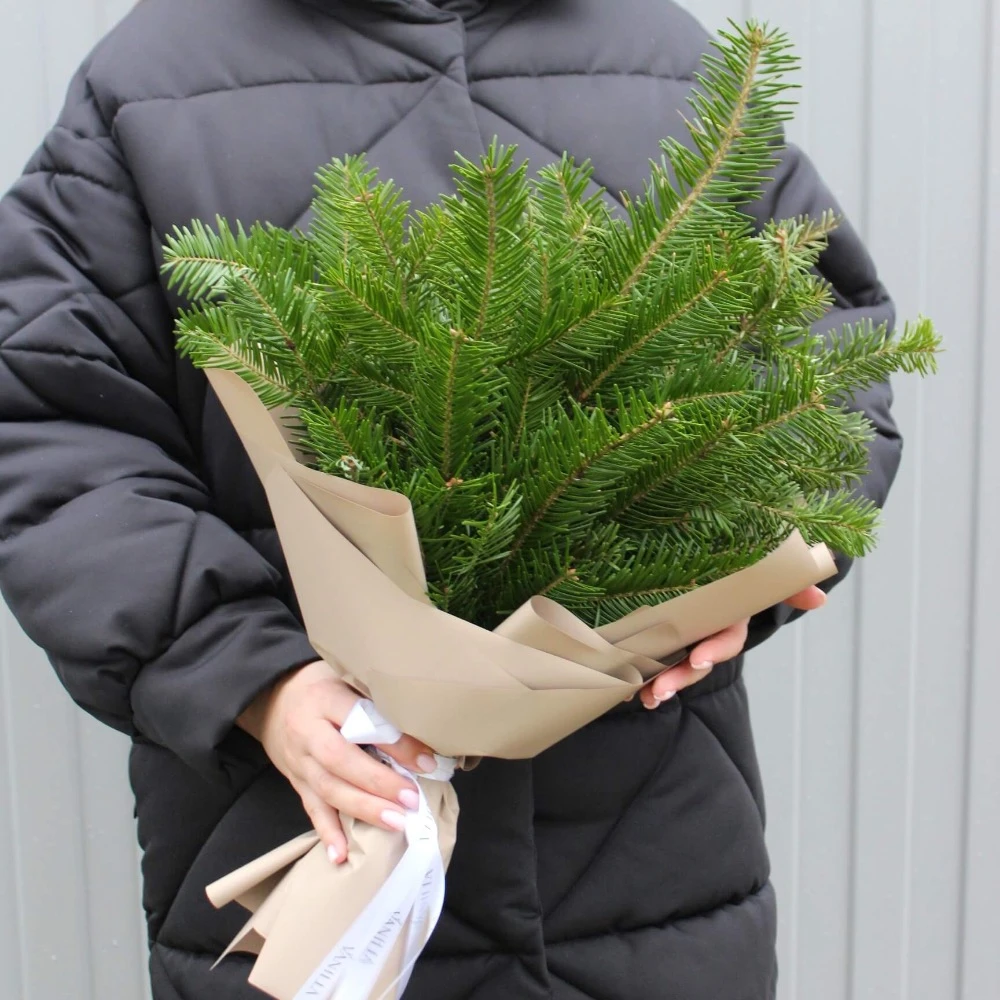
[(22, 73), (12, 937), (117, 938), (69, 912), (67, 31), (818, 965), (875, 719), (915, 619), (47, 823), (980, 959), (951, 289)]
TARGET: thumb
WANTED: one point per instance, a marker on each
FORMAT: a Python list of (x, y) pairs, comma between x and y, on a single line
[(722, 646)]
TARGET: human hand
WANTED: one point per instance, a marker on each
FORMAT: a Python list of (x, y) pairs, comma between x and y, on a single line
[(717, 648), (298, 723)]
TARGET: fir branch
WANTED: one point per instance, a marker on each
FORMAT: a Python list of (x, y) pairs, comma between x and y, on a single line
[(673, 466), (458, 338), (865, 354), (490, 196), (244, 277), (691, 199), (367, 199), (601, 315), (839, 519), (346, 441), (716, 144), (587, 461), (209, 350), (680, 311), (797, 245), (353, 208), (347, 283), (358, 379), (522, 417), (426, 235)]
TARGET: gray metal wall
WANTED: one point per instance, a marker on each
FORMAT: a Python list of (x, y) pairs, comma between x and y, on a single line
[(70, 920), (875, 720)]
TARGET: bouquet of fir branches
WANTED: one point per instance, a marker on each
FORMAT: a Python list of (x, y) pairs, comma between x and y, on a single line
[(606, 410)]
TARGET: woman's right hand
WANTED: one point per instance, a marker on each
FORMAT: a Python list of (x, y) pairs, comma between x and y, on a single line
[(298, 723)]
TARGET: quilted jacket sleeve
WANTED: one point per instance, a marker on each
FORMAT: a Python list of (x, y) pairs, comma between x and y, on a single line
[(799, 190), (158, 617)]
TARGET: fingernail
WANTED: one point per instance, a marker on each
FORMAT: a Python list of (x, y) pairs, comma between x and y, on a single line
[(666, 696), (409, 798), (426, 763), (703, 665), (334, 855), (394, 819)]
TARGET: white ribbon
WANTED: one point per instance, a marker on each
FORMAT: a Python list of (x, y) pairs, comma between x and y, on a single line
[(410, 899)]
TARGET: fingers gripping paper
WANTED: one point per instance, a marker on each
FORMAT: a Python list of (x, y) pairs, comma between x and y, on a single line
[(325, 932), (354, 557)]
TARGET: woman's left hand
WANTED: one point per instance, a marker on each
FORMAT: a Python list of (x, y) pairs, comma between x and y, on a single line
[(718, 648)]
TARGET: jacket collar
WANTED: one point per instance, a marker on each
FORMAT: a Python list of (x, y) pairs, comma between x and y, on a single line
[(412, 10)]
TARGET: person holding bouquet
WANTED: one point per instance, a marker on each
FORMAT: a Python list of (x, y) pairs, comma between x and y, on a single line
[(137, 549)]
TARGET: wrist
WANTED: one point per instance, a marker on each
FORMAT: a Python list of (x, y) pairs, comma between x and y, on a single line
[(253, 719)]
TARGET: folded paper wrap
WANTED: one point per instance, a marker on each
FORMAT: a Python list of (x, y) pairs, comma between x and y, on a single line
[(320, 928), (354, 557)]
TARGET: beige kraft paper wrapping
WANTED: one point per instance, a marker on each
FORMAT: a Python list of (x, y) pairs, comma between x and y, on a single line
[(354, 557), (301, 905)]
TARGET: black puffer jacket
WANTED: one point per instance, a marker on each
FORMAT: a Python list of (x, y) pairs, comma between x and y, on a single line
[(627, 863)]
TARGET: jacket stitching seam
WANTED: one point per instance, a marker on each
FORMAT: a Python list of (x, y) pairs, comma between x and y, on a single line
[(90, 95), (199, 854), (99, 138), (473, 78), (61, 503), (737, 900), (584, 73), (116, 297), (379, 137), (520, 128), (732, 760), (610, 836), (60, 300), (94, 292), (182, 585), (128, 102), (374, 39), (543, 979), (62, 352), (686, 698), (471, 53), (80, 175), (163, 968)]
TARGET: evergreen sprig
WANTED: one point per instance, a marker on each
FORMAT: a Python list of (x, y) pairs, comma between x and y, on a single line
[(606, 410)]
